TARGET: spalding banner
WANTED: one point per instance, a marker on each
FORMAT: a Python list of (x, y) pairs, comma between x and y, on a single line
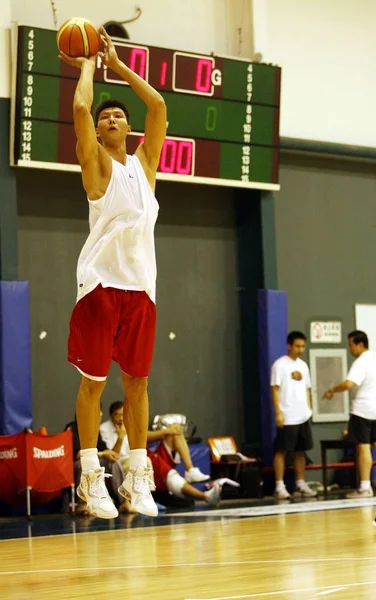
[(12, 465), (49, 461)]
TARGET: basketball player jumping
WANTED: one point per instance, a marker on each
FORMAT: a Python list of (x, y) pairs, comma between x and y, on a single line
[(114, 317)]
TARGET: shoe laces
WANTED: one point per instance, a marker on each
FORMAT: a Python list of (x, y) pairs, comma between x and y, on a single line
[(142, 482), (150, 475), (98, 486)]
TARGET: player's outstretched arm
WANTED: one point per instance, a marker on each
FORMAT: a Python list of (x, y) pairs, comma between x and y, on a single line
[(87, 144), (155, 124), (92, 158)]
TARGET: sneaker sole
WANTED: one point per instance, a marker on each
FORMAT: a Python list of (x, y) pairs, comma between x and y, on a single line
[(214, 504), (96, 513), (276, 497), (197, 480), (123, 492)]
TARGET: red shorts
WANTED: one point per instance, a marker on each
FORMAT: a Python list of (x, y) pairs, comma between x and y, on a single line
[(163, 463), (109, 324)]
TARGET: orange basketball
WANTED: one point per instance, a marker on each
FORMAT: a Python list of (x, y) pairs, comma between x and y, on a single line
[(78, 37)]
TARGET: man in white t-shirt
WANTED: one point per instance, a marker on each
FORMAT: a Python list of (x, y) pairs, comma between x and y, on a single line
[(291, 383), (114, 434), (362, 425)]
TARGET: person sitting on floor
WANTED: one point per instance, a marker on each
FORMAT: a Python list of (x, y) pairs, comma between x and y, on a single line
[(109, 462), (173, 447), (115, 436)]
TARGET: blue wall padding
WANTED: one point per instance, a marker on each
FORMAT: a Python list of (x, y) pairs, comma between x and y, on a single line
[(272, 334), (15, 360)]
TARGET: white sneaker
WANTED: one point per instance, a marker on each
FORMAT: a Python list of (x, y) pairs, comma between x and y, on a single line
[(136, 488), (226, 480), (92, 490), (213, 496), (305, 491), (194, 475), (282, 494), (358, 494)]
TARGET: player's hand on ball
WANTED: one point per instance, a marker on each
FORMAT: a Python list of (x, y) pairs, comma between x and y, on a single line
[(109, 56), (77, 61)]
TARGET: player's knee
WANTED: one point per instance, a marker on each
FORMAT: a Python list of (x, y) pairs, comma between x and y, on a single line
[(132, 384), (175, 483), (92, 387)]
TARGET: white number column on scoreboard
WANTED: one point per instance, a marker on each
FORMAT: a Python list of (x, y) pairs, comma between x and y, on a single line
[(247, 127), (27, 102)]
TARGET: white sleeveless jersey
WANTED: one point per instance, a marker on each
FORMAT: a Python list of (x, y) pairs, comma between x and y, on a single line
[(119, 251)]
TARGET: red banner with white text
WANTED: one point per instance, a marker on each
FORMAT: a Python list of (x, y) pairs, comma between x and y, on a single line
[(49, 461), (12, 465)]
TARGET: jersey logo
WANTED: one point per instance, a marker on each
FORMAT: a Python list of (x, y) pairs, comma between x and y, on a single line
[(297, 375)]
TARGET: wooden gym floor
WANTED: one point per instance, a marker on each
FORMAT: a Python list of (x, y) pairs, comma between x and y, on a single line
[(326, 550)]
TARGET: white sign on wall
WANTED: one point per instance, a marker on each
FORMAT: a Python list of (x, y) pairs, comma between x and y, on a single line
[(326, 332), (328, 366)]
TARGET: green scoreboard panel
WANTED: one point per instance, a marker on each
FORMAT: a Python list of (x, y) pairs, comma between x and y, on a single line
[(223, 113)]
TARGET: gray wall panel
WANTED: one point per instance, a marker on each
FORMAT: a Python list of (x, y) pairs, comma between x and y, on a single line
[(326, 245)]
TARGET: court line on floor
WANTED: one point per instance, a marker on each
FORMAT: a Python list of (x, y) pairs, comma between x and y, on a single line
[(293, 591), (195, 565), (278, 509), (334, 591), (213, 516)]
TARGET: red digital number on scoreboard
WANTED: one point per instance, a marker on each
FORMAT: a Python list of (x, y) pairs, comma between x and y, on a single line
[(138, 61), (177, 155), (193, 74)]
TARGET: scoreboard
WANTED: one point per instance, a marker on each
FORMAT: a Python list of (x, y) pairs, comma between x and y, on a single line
[(223, 113)]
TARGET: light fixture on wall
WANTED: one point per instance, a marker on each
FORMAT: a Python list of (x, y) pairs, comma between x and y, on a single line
[(117, 29)]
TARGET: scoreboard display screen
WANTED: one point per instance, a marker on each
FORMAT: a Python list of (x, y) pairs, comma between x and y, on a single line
[(223, 113)]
